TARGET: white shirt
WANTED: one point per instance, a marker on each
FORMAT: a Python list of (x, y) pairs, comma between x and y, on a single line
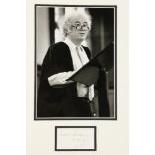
[(75, 57)]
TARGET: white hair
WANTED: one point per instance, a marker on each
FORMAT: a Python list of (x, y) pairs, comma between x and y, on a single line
[(70, 17)]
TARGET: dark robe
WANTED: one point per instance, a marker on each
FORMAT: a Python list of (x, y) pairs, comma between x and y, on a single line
[(59, 101)]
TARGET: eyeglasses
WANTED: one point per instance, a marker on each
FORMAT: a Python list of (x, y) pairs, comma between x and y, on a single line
[(79, 26)]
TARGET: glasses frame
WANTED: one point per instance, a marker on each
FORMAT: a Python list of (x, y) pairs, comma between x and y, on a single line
[(78, 27)]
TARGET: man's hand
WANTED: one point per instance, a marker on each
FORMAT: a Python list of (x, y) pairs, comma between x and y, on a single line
[(60, 78)]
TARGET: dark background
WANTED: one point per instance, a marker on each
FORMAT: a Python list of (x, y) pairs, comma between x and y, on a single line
[(48, 22)]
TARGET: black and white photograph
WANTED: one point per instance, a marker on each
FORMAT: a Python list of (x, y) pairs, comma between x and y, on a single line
[(75, 62)]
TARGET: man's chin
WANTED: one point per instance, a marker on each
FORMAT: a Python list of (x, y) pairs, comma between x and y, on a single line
[(82, 38)]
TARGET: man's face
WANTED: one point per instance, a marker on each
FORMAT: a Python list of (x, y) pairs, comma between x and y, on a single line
[(78, 29)]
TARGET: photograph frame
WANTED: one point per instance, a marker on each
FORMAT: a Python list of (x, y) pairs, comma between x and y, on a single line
[(115, 64)]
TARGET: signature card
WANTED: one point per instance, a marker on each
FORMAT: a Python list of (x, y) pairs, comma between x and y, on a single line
[(69, 138)]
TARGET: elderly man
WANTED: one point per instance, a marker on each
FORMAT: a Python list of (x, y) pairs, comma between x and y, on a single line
[(58, 97)]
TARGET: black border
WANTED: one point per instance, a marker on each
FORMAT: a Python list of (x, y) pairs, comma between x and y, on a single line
[(95, 138), (35, 66)]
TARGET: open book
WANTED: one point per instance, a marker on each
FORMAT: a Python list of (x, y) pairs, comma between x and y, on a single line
[(89, 73)]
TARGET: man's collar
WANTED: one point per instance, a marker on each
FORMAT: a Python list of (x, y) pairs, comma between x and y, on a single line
[(69, 43)]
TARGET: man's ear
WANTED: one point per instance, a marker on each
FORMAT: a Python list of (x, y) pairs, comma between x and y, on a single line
[(68, 31)]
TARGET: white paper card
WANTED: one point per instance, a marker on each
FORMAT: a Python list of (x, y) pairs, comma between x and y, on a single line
[(75, 138)]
